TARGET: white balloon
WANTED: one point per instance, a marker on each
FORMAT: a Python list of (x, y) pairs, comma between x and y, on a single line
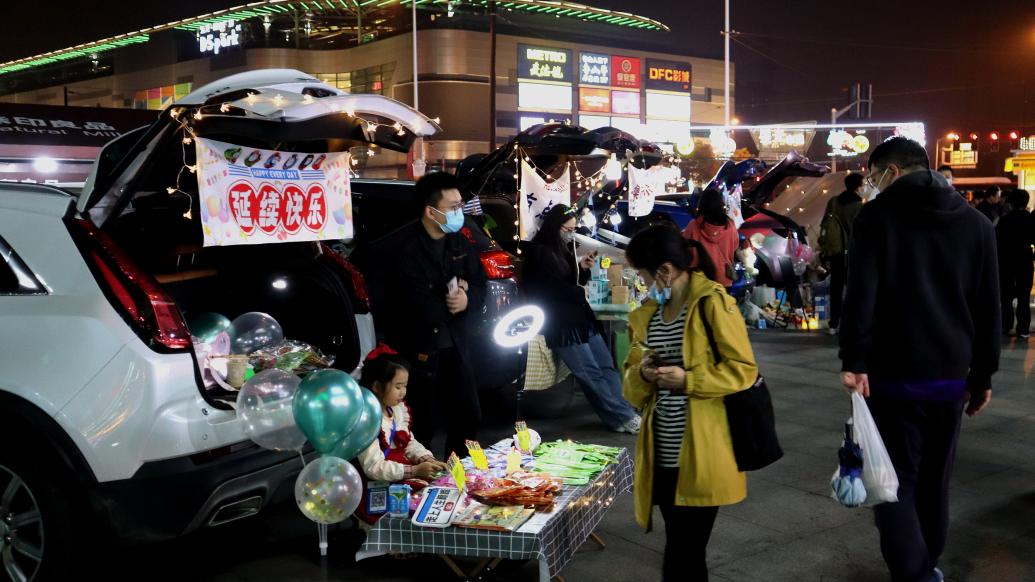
[(264, 406)]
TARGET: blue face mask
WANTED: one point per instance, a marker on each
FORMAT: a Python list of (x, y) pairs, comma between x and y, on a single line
[(660, 296), (454, 220)]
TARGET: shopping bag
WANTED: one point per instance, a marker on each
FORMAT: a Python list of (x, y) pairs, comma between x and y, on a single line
[(542, 368), (878, 474)]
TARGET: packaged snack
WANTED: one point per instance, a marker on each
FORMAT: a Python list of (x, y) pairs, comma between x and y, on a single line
[(399, 500)]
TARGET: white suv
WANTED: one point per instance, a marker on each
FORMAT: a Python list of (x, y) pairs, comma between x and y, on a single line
[(105, 417)]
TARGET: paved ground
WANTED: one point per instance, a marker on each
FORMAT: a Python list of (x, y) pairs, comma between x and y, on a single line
[(787, 530)]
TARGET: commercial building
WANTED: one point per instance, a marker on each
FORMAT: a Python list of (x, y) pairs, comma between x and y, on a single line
[(553, 60)]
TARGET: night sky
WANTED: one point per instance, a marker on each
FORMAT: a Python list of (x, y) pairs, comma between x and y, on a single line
[(968, 68)]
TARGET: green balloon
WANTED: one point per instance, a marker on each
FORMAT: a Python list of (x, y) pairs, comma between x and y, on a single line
[(206, 326), (327, 405), (365, 431)]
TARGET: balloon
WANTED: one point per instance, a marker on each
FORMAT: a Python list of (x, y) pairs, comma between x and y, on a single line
[(254, 331), (366, 430), (206, 326), (327, 406), (264, 405), (328, 490)]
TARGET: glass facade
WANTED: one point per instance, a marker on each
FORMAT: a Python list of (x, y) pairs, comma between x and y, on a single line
[(369, 80)]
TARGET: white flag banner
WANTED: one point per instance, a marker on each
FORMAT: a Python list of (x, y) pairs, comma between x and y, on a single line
[(251, 196), (537, 197), (644, 186), (733, 204)]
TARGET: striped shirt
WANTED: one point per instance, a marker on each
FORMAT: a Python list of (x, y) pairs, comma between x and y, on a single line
[(666, 340)]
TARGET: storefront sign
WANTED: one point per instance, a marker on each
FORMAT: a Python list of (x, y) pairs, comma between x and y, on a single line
[(219, 35), (544, 63), (1027, 144), (253, 196), (625, 103), (22, 123), (591, 99), (668, 76), (625, 72), (594, 69), (775, 137), (846, 145), (544, 96)]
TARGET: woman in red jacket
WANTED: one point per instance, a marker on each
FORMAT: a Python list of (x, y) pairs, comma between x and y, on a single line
[(716, 233)]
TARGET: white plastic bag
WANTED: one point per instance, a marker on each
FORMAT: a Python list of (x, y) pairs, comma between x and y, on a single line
[(878, 473)]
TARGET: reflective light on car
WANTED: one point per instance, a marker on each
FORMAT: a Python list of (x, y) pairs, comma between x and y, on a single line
[(45, 165)]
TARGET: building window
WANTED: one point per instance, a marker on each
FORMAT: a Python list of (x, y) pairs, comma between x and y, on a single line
[(368, 80), (160, 97)]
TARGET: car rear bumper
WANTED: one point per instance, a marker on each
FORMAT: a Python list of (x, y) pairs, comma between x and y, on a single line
[(169, 498)]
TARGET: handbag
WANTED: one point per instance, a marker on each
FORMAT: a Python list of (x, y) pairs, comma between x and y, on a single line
[(750, 416)]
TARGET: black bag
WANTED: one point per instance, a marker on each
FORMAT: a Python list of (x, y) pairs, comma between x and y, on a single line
[(751, 419)]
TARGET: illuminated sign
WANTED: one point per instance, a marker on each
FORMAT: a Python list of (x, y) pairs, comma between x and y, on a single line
[(594, 121), (1027, 144), (591, 99), (625, 72), (625, 102), (668, 76), (777, 138), (544, 63), (219, 35), (544, 96), (594, 69), (668, 106), (846, 145), (913, 131)]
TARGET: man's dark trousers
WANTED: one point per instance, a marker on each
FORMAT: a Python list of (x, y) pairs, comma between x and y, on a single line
[(921, 438)]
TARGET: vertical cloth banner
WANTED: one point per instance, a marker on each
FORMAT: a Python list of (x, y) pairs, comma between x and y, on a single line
[(644, 186), (732, 200), (537, 197), (253, 196)]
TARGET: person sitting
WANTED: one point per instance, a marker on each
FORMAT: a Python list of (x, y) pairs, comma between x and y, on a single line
[(395, 455)]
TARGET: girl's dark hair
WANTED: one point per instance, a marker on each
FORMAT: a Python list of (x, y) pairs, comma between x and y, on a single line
[(712, 207), (381, 369), (549, 234), (658, 245)]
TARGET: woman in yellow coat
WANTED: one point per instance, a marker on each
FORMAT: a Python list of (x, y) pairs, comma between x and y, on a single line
[(684, 453)]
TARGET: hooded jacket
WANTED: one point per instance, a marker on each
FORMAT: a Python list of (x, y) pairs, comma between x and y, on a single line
[(922, 306), (720, 242), (1015, 234)]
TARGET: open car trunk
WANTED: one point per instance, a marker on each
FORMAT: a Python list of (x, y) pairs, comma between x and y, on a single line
[(145, 200)]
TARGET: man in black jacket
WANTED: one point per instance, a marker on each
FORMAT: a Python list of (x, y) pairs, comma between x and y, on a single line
[(919, 339), (1015, 234), (427, 283)]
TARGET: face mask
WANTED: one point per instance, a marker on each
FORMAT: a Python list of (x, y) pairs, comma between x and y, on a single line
[(454, 220), (660, 296), (568, 237)]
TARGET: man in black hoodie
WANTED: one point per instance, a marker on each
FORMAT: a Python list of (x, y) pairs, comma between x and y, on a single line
[(919, 339), (1015, 234)]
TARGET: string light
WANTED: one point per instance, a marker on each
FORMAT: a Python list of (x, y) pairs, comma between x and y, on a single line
[(198, 115), (224, 107)]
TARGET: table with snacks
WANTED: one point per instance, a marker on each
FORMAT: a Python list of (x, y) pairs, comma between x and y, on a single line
[(579, 494)]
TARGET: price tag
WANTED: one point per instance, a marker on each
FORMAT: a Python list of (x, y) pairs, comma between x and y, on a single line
[(524, 440), (474, 448), (456, 468), (513, 461)]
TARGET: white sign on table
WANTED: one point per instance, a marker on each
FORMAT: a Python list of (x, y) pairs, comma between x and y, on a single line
[(254, 196)]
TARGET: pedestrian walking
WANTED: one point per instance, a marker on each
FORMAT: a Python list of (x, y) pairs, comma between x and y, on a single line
[(834, 237), (552, 278), (919, 339), (427, 281), (716, 233), (1015, 235), (684, 455), (989, 203)]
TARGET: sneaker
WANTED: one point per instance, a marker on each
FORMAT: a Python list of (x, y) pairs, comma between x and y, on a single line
[(832, 331), (937, 576), (632, 426), (1023, 336)]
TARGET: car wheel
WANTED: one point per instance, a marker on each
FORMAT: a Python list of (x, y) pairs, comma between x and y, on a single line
[(35, 523)]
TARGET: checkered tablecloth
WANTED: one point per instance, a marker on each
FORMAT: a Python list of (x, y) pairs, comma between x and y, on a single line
[(551, 538)]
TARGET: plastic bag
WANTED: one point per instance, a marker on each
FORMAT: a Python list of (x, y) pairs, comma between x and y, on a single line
[(878, 474), (291, 356)]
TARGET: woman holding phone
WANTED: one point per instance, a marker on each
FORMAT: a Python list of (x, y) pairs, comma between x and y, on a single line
[(553, 277), (691, 350)]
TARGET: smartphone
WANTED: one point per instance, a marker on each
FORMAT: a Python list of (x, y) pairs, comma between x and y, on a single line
[(454, 286)]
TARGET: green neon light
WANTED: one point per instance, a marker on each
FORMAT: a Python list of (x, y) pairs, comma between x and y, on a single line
[(550, 10)]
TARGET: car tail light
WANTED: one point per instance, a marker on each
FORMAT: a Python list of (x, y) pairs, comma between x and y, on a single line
[(359, 285), (498, 265), (140, 300)]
